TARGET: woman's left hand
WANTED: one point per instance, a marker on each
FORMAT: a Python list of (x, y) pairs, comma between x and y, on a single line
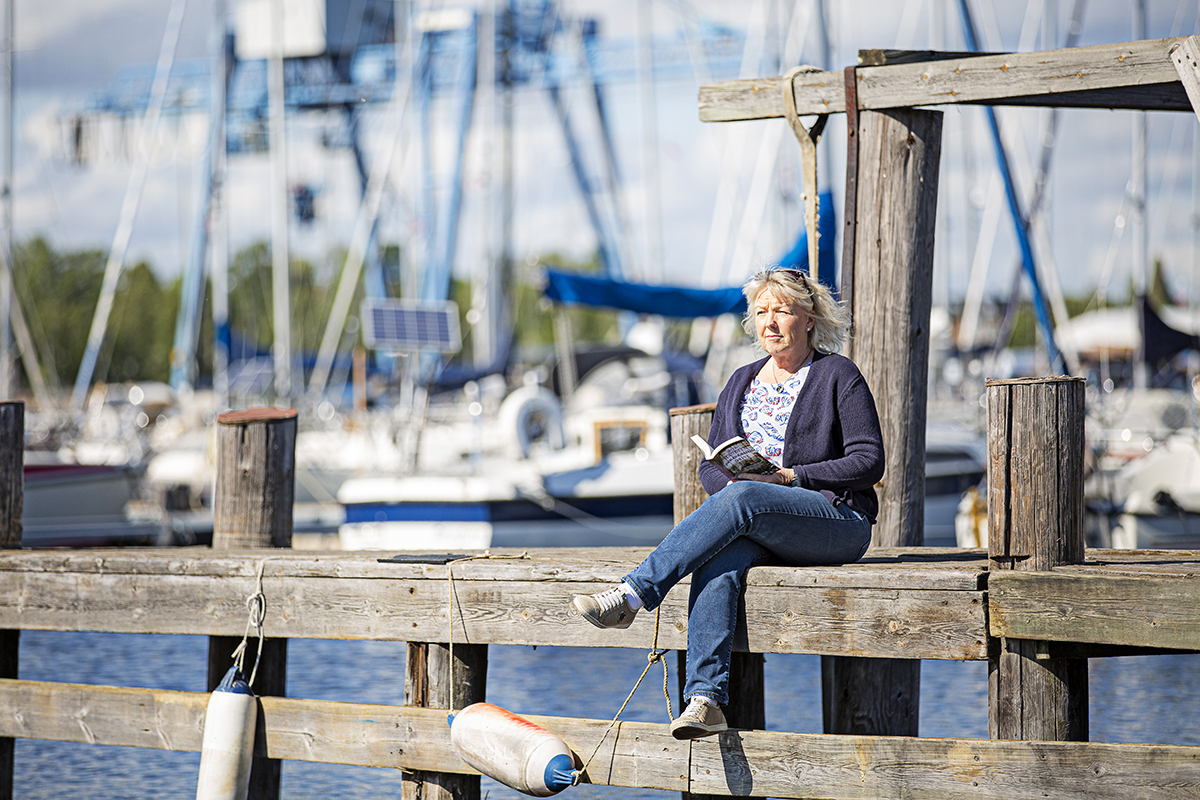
[(782, 477)]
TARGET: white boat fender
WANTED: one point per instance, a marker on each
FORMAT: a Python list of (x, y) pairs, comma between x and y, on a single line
[(512, 750), (228, 745)]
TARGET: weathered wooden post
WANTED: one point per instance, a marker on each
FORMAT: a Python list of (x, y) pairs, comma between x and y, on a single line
[(747, 703), (12, 501), (1035, 522), (892, 272), (252, 507), (431, 680)]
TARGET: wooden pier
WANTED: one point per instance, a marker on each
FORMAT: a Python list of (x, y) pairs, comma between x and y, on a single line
[(1035, 606), (914, 603)]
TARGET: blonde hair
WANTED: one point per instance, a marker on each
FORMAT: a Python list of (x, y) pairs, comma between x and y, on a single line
[(831, 321)]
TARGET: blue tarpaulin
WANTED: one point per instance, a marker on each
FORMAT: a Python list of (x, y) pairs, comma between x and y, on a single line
[(669, 301)]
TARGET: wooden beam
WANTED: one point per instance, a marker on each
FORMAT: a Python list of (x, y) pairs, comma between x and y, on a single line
[(1131, 75), (506, 603), (1185, 55), (636, 754), (1123, 610)]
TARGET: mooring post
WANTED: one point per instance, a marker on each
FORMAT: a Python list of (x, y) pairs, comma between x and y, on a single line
[(252, 507), (896, 208), (747, 704), (431, 680), (12, 502), (1035, 522)]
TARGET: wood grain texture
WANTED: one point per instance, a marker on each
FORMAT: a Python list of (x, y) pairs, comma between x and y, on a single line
[(252, 507), (686, 423), (898, 156), (435, 679), (1035, 509), (1127, 75), (256, 477), (776, 764), (12, 479), (898, 160), (912, 623), (1123, 610), (1185, 55), (12, 502)]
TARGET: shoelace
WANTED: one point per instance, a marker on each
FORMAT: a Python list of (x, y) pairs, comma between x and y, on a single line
[(610, 599)]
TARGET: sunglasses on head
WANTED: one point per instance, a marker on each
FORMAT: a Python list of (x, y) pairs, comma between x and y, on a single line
[(795, 274)]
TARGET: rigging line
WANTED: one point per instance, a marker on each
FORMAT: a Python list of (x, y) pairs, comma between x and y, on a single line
[(524, 554), (655, 655), (129, 206)]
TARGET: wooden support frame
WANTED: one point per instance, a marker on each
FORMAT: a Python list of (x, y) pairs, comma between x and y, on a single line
[(1130, 75)]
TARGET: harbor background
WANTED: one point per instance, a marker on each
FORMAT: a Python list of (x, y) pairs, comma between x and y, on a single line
[(1147, 699)]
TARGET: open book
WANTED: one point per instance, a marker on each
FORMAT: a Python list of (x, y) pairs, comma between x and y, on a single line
[(736, 455)]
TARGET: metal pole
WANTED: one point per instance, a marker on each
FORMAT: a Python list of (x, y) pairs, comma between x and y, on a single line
[(6, 195)]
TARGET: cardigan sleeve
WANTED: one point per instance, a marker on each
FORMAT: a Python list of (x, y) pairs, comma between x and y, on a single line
[(861, 464), (724, 426)]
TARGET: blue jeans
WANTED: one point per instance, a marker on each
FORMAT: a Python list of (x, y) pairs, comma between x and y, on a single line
[(746, 524)]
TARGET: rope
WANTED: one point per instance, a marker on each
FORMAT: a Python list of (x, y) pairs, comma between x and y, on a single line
[(524, 554), (654, 655), (808, 150), (256, 605)]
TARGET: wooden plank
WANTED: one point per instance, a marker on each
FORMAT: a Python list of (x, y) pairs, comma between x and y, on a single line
[(893, 568), (1185, 55), (859, 622), (1126, 75), (777, 764), (1120, 610)]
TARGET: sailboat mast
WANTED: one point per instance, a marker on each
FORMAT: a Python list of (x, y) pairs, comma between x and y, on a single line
[(1138, 211), (6, 198), (280, 279)]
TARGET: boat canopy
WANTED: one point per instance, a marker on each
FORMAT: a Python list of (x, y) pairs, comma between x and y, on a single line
[(669, 301)]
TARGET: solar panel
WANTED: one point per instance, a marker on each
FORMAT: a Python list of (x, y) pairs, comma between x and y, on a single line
[(405, 325)]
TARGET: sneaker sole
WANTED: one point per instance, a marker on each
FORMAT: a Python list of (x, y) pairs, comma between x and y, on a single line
[(696, 731), (596, 620)]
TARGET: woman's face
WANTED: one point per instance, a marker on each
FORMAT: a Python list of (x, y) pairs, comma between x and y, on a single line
[(782, 326)]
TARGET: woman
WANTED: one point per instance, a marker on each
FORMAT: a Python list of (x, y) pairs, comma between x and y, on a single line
[(811, 413)]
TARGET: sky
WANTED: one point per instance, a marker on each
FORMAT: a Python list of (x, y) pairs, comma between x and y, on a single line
[(673, 167)]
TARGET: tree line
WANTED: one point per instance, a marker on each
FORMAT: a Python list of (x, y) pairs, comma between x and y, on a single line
[(58, 292)]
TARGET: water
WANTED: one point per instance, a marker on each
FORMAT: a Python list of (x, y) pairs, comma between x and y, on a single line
[(1139, 699)]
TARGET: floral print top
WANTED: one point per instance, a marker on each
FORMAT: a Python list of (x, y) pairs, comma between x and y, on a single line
[(766, 409)]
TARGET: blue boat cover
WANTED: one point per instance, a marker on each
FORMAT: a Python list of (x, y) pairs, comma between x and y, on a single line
[(669, 301), (677, 301)]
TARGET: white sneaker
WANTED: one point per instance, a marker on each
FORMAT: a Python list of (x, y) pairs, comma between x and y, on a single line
[(699, 719), (608, 609)]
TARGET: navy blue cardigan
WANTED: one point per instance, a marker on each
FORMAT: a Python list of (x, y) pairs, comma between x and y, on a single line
[(832, 440)]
